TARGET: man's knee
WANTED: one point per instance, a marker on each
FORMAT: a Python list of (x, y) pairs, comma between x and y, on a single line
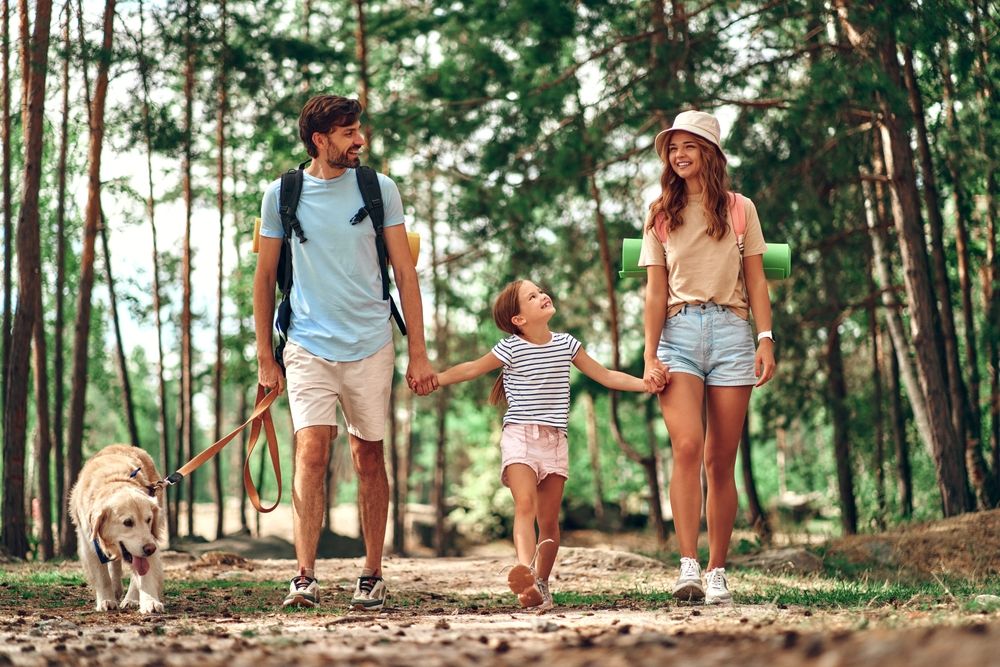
[(312, 449), (368, 457)]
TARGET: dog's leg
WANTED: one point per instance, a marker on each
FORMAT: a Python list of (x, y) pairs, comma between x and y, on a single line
[(131, 599), (151, 586), (96, 573), (115, 572)]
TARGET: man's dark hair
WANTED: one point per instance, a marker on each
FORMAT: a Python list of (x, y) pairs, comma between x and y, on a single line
[(322, 113)]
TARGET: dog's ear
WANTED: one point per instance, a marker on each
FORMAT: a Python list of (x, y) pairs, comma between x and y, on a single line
[(98, 517)]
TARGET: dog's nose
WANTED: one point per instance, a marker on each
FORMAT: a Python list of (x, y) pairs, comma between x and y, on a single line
[(149, 549)]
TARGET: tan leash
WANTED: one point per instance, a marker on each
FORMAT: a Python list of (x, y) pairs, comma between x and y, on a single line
[(259, 418)]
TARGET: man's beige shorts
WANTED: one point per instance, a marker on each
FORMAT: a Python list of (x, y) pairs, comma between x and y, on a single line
[(315, 385)]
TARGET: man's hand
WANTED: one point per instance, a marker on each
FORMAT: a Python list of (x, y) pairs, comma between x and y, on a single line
[(420, 376), (269, 374)]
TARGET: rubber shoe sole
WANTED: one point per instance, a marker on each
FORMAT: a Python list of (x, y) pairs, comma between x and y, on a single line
[(522, 583), (300, 600), (689, 591)]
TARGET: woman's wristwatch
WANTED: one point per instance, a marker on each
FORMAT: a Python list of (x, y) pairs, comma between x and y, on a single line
[(765, 334)]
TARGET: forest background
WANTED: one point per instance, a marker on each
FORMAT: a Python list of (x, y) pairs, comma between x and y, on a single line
[(138, 137)]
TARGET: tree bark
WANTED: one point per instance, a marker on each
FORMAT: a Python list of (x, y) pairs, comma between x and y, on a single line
[(220, 140), (59, 353), (8, 217), (43, 438), (398, 494), (897, 419), (147, 131), (123, 377), (758, 515), (839, 414), (186, 444), (594, 449), (28, 313), (878, 430), (441, 405)]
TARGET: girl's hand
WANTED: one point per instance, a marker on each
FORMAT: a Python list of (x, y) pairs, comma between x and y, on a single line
[(656, 376), (763, 363)]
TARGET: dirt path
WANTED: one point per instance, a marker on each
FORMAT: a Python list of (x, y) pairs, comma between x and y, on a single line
[(222, 610)]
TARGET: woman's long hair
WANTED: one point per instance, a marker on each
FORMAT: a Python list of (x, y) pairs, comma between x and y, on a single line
[(665, 211), (505, 308)]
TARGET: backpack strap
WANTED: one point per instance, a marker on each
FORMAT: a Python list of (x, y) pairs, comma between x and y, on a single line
[(738, 214), (288, 202), (371, 193)]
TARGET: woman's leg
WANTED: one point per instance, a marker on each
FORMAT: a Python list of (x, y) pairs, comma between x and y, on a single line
[(523, 487), (727, 408), (550, 493), (681, 403)]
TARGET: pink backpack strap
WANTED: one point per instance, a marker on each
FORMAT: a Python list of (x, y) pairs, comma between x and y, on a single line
[(738, 214), (660, 228)]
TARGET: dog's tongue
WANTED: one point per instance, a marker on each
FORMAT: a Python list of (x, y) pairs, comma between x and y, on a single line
[(140, 565)]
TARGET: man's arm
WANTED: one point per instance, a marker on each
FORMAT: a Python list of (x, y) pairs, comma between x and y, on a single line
[(419, 374), (264, 281)]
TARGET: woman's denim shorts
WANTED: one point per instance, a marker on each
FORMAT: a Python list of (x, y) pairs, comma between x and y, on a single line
[(711, 342)]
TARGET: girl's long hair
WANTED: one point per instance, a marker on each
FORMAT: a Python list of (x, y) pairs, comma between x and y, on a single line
[(665, 211), (505, 308)]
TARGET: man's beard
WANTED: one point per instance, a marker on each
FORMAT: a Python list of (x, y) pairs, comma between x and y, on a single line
[(342, 161)]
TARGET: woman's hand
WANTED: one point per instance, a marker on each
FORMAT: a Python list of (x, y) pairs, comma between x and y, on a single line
[(763, 362), (656, 376)]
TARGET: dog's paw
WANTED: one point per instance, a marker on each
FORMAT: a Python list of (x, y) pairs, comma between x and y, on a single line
[(129, 603), (106, 605), (150, 606)]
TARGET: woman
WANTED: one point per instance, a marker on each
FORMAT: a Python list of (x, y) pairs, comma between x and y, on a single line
[(704, 280)]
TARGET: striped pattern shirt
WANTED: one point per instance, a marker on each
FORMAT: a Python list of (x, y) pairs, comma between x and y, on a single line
[(536, 379)]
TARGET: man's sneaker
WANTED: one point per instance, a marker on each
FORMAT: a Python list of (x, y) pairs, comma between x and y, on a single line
[(523, 584), (543, 588), (302, 592), (688, 585), (369, 594), (717, 587)]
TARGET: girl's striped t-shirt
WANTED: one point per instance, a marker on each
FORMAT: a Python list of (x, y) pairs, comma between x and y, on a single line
[(536, 379)]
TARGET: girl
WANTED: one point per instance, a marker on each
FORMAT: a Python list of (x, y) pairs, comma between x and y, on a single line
[(703, 280), (535, 383)]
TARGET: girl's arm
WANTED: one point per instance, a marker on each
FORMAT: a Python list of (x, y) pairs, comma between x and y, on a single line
[(469, 370), (760, 306), (615, 379), (654, 315)]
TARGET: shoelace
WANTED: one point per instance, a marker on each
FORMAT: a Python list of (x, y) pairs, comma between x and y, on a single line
[(300, 582), (717, 578), (534, 558), (689, 567), (367, 584)]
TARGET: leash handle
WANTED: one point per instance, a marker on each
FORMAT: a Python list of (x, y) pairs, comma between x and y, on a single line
[(261, 416)]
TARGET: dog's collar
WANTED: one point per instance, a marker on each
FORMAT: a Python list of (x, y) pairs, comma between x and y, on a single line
[(150, 488), (134, 473), (101, 556)]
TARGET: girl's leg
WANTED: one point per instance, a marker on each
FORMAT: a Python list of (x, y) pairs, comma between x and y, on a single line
[(681, 403), (727, 408), (524, 488), (550, 493)]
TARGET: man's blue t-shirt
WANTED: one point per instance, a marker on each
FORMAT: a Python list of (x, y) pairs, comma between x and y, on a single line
[(337, 308)]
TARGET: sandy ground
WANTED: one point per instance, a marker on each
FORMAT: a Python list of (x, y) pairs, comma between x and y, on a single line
[(457, 611)]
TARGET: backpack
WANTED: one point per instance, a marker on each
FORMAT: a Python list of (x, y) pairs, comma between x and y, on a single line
[(288, 202)]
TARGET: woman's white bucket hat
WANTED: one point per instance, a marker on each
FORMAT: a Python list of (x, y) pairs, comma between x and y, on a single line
[(696, 122)]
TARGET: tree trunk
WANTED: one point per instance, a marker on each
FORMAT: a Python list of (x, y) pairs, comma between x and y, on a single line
[(43, 441), (594, 448), (441, 405), (963, 215), (147, 131), (8, 216), (123, 377), (897, 419), (187, 389), (878, 431), (28, 313), (647, 462), (839, 413), (59, 354), (758, 516), (220, 140), (398, 493), (948, 452)]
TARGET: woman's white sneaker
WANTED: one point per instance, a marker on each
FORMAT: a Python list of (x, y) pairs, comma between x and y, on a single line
[(717, 587), (688, 586)]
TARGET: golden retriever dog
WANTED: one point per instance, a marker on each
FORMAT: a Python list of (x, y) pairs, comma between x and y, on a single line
[(120, 516)]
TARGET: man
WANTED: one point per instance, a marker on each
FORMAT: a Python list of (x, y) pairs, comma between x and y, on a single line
[(339, 346)]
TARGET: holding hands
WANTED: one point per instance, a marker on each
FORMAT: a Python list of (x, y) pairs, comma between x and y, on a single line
[(656, 376)]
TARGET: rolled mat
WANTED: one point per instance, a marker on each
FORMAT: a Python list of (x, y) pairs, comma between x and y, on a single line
[(777, 260)]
